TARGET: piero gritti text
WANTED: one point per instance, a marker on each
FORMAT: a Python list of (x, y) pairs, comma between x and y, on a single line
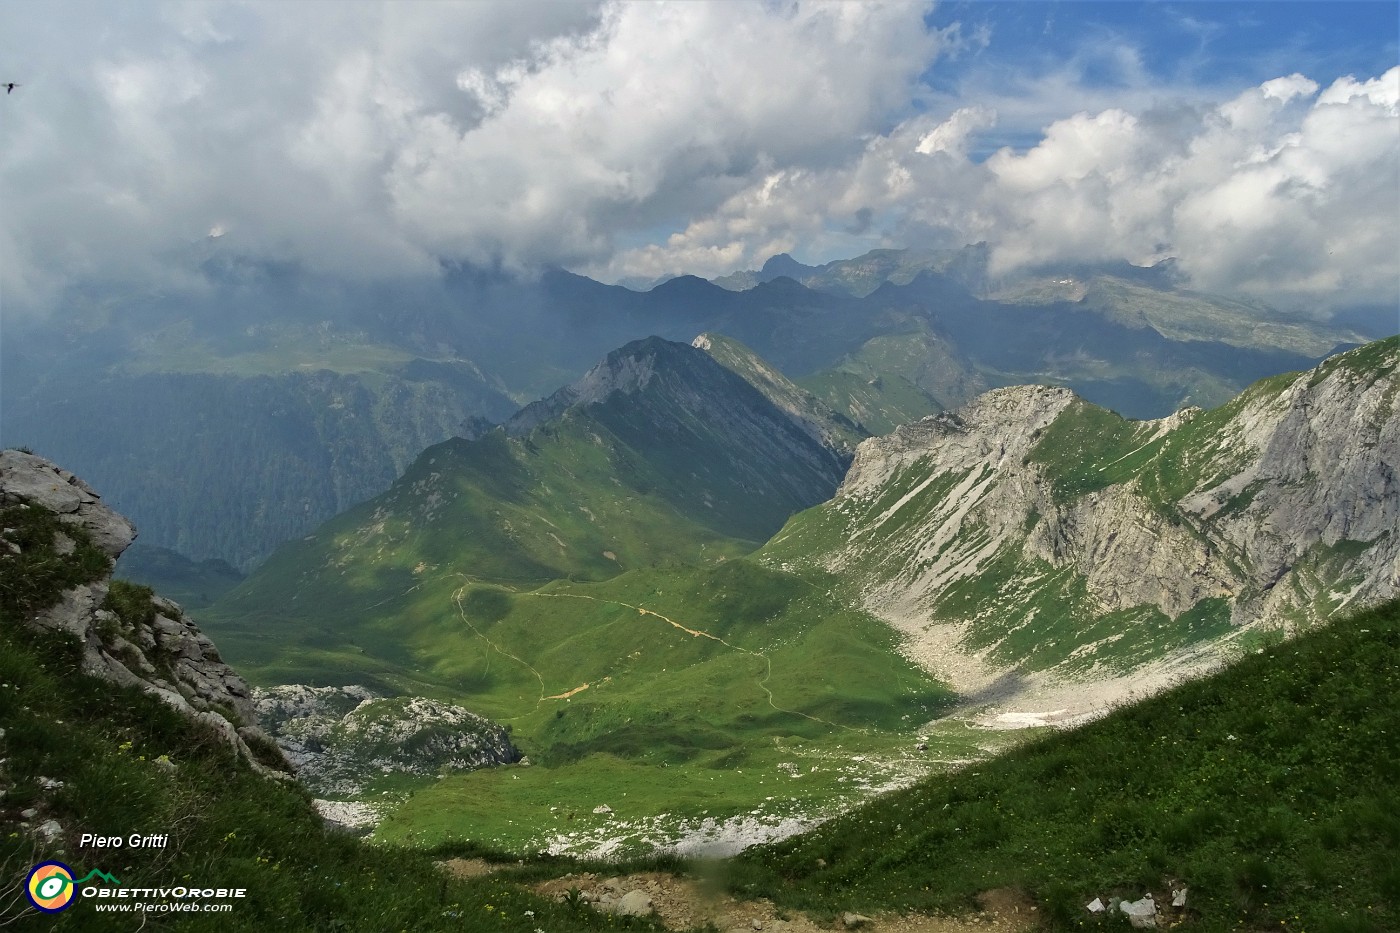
[(133, 841)]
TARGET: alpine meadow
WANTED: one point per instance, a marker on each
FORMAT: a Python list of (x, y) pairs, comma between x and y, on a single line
[(700, 467)]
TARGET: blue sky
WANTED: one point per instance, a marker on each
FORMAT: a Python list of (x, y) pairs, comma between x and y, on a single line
[(635, 140), (1206, 44), (1181, 51)]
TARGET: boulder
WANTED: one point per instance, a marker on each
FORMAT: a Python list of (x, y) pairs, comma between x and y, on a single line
[(1142, 914), (634, 904)]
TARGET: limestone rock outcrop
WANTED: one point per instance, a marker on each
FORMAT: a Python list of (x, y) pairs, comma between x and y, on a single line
[(158, 650), (1011, 529), (340, 737)]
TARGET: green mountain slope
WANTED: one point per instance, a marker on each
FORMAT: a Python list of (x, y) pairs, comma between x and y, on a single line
[(825, 424), (916, 357), (878, 403), (1034, 533), (1265, 791), (666, 688), (658, 454), (87, 747), (695, 694)]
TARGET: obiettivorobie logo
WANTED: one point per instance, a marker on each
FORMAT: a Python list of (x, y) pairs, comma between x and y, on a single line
[(51, 886)]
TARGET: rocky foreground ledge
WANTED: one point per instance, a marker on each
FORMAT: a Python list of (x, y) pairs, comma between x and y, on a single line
[(143, 641)]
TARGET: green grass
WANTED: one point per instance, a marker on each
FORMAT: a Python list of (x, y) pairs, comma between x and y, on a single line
[(1088, 448), (780, 660), (111, 748), (1268, 790), (36, 573), (93, 757), (912, 370), (879, 403), (1035, 617), (526, 810)]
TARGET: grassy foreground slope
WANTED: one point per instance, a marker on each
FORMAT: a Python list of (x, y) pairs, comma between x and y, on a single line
[(79, 754), (1268, 790), (128, 764)]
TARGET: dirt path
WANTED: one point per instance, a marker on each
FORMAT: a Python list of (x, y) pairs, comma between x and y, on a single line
[(686, 904), (462, 612), (693, 633)]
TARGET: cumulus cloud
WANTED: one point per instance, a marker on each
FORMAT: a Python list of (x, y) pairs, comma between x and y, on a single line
[(377, 139), (1281, 192), (1278, 192)]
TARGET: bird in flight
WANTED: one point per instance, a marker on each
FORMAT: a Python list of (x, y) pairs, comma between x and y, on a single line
[(10, 86)]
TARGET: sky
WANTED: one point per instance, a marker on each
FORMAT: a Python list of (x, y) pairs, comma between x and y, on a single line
[(1256, 143)]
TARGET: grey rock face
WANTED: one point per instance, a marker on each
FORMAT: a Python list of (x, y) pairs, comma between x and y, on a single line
[(37, 481), (1283, 507), (169, 658), (339, 737)]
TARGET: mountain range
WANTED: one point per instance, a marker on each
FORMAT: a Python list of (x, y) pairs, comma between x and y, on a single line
[(296, 397), (1022, 559), (1031, 532), (587, 570)]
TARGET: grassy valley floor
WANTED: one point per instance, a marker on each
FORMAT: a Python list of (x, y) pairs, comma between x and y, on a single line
[(685, 709)]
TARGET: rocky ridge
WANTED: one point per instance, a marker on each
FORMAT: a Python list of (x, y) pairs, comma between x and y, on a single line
[(155, 648), (1000, 537), (818, 421)]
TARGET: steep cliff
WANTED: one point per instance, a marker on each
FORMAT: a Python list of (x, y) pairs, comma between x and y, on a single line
[(1031, 531)]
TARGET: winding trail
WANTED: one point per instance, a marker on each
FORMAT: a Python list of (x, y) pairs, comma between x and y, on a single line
[(693, 633), (462, 613)]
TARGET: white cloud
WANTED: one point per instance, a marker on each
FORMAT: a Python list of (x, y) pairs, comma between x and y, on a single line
[(1285, 89), (377, 138), (1279, 192), (953, 134)]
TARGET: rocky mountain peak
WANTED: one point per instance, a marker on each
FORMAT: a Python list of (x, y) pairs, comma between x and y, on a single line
[(784, 265), (997, 427), (1134, 550), (626, 370)]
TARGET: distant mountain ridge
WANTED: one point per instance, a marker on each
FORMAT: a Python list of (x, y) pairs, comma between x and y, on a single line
[(864, 274), (657, 454), (297, 395)]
